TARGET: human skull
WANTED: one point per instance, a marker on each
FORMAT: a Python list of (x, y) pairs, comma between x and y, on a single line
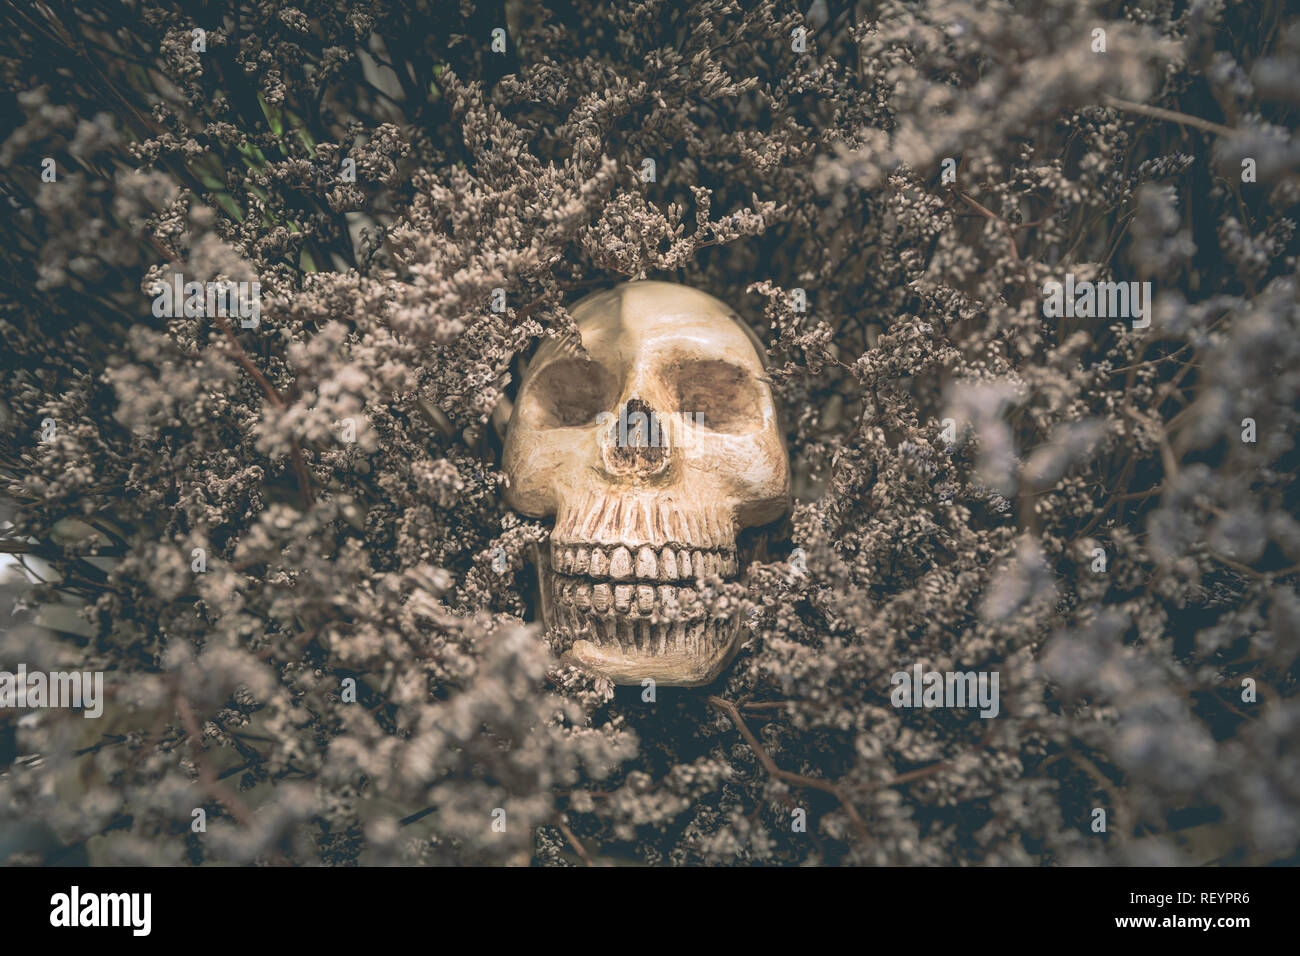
[(651, 450)]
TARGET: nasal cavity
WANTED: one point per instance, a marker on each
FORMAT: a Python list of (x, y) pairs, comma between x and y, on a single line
[(637, 441)]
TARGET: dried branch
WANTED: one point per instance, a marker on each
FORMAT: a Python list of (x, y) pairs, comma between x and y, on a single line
[(798, 779)]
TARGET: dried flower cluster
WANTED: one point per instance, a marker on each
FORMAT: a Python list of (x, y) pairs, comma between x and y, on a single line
[(284, 541)]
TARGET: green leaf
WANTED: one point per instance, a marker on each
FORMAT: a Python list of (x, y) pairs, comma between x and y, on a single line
[(273, 116)]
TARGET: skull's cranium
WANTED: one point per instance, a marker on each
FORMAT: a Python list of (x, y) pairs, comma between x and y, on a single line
[(652, 451)]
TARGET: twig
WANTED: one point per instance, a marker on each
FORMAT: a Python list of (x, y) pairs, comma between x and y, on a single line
[(417, 815), (236, 351), (573, 840), (1235, 565), (238, 809), (993, 217), (918, 774), (1157, 112), (798, 779), (1119, 807)]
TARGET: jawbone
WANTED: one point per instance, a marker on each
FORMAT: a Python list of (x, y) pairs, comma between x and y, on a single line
[(633, 613)]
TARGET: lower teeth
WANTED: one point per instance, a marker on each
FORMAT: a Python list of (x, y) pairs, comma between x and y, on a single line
[(627, 633)]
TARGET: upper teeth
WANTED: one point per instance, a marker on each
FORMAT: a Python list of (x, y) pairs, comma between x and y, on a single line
[(644, 563)]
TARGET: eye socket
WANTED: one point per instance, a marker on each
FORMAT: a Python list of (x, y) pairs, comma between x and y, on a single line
[(727, 397), (570, 392)]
